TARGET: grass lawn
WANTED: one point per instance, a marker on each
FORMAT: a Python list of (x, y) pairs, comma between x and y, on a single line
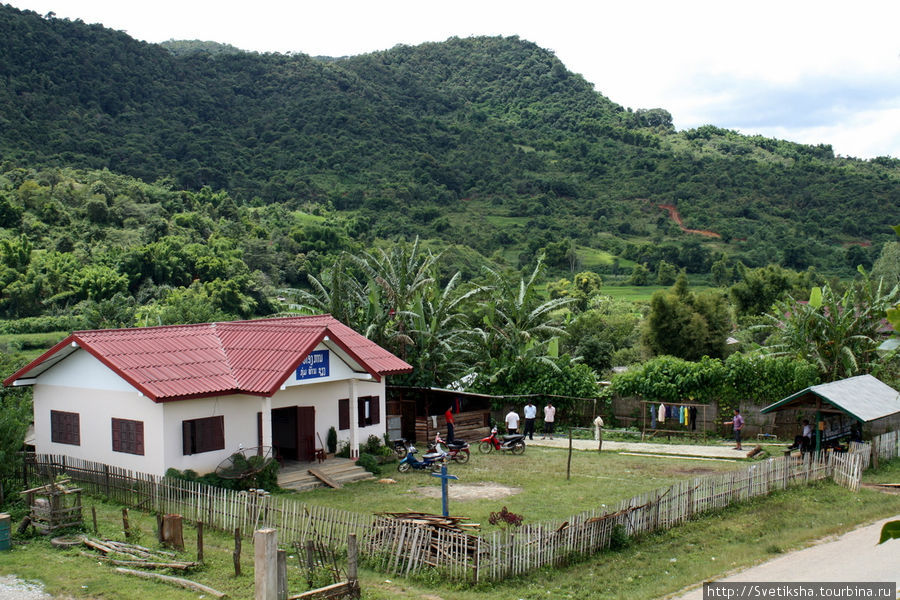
[(707, 547), (539, 474)]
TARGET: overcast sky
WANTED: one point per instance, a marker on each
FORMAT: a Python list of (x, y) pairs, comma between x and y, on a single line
[(809, 71)]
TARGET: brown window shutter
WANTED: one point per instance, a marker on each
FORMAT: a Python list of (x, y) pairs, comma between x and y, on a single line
[(218, 433), (187, 437), (259, 428), (116, 435), (361, 411), (139, 437), (344, 414), (375, 410)]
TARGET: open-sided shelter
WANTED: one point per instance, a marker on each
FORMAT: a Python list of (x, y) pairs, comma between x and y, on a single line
[(188, 396), (842, 407)]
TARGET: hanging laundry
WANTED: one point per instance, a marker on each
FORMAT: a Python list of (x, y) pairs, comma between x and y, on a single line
[(687, 416), (681, 415), (693, 418), (661, 417), (653, 416)]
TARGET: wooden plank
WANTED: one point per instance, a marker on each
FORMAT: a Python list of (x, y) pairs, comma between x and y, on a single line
[(325, 479)]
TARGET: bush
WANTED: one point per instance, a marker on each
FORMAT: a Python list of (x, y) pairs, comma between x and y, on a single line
[(331, 440), (369, 462), (618, 539), (373, 445)]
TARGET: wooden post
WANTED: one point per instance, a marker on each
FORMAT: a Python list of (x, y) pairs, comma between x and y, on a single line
[(281, 571), (569, 461), (159, 527), (173, 531), (125, 525), (94, 516), (200, 541), (352, 557), (237, 552), (106, 479), (265, 550), (310, 561)]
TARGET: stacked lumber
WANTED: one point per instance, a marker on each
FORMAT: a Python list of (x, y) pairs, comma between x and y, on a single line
[(454, 524), (132, 555), (410, 540)]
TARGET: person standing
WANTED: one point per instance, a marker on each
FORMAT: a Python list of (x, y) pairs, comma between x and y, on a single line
[(512, 421), (530, 417), (448, 416), (549, 419), (737, 422)]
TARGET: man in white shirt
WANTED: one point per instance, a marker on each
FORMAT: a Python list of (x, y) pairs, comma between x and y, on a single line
[(530, 416), (512, 422), (549, 419)]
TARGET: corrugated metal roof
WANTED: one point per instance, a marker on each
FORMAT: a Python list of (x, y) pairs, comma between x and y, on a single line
[(210, 359), (863, 397)]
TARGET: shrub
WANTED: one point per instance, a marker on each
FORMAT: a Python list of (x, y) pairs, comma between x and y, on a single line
[(331, 440), (369, 462), (373, 445)]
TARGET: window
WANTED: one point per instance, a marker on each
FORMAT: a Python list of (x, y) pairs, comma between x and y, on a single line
[(128, 436), (344, 414), (369, 411), (65, 428), (203, 435)]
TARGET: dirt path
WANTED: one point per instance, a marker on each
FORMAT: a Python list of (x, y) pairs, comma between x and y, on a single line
[(673, 213), (853, 557), (720, 451)]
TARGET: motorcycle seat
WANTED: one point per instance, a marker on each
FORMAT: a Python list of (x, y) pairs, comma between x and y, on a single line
[(458, 444), (433, 455), (515, 436)]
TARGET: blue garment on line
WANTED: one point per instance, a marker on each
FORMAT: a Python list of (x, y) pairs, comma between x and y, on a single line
[(653, 416)]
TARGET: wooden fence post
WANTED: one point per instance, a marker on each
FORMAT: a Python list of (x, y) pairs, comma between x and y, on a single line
[(200, 541), (265, 552), (94, 516), (352, 557), (310, 561), (125, 525), (281, 573), (237, 552)]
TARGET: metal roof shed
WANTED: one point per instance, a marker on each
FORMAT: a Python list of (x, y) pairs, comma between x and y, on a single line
[(863, 398)]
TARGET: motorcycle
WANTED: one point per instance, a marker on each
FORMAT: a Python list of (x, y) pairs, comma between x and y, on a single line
[(400, 446), (457, 450), (513, 443), (431, 461)]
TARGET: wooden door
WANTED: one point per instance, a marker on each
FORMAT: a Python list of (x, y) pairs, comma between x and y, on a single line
[(306, 432)]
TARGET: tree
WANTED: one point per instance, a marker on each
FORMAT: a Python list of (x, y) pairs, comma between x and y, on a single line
[(640, 275), (666, 273), (687, 325), (605, 328), (839, 333), (759, 288), (518, 325)]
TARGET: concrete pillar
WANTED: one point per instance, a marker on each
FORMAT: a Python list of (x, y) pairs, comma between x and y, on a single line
[(265, 564)]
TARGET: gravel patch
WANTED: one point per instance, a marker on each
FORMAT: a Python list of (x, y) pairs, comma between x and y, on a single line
[(13, 588)]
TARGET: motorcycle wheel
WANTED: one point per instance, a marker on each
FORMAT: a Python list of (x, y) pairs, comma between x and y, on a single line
[(400, 451), (403, 467), (462, 457), (436, 467), (485, 447), (518, 448)]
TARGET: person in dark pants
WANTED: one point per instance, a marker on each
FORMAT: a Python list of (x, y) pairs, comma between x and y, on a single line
[(450, 424), (530, 417), (737, 422)]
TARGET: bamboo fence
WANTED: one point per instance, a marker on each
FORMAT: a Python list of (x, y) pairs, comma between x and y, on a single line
[(404, 548)]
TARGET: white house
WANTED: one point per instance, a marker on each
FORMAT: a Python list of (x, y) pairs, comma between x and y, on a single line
[(188, 396)]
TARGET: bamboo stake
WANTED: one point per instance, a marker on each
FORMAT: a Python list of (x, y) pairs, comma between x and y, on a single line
[(191, 585)]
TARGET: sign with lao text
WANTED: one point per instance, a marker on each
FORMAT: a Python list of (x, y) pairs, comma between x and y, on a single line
[(313, 366)]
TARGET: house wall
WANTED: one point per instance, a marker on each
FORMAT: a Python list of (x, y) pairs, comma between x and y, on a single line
[(84, 385), (63, 388), (324, 397), (239, 412)]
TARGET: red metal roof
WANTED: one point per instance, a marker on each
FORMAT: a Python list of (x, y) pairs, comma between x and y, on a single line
[(212, 359)]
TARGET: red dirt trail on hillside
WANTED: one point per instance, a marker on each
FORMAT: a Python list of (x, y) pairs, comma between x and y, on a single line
[(673, 213)]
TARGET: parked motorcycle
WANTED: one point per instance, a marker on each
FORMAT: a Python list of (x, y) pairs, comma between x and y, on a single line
[(431, 461), (513, 443), (457, 450), (400, 446)]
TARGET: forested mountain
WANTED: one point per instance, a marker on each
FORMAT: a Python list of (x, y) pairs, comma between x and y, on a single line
[(488, 142)]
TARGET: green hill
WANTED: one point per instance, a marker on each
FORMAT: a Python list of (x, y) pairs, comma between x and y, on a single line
[(487, 142)]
